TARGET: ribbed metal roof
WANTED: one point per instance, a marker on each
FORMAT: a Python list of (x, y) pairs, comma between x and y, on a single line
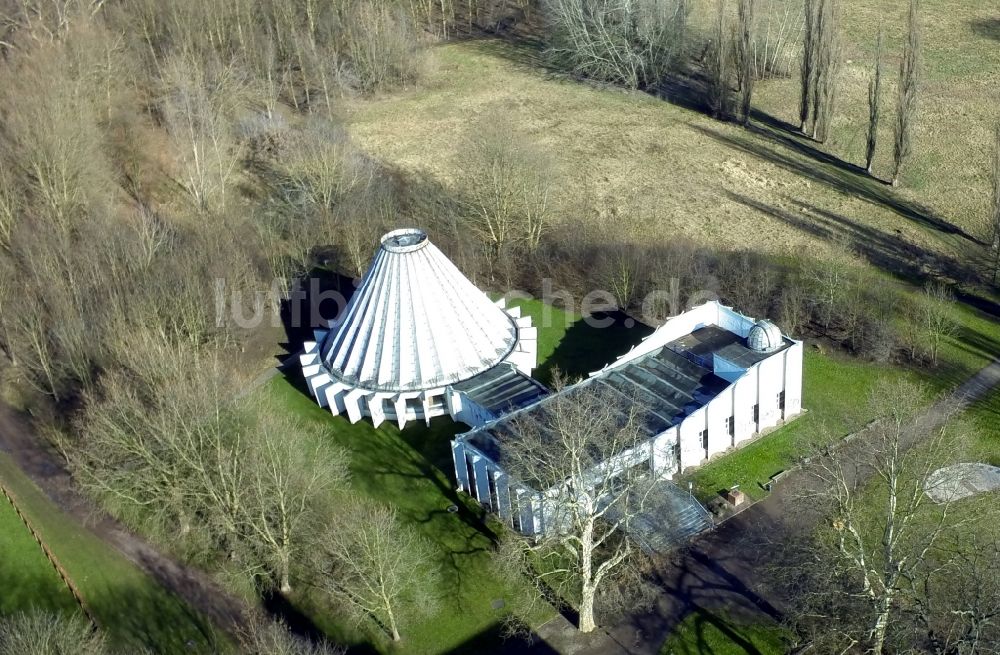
[(416, 322)]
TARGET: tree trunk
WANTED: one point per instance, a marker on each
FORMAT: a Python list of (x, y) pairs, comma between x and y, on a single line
[(392, 626), (881, 625), (587, 623), (588, 590), (286, 584)]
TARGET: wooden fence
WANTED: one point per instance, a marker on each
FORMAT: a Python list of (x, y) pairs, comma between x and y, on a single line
[(53, 560)]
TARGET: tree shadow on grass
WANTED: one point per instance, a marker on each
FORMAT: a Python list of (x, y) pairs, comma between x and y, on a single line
[(836, 174), (890, 252), (592, 343), (160, 622), (988, 28), (493, 641)]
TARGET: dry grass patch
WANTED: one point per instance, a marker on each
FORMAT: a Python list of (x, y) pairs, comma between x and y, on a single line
[(651, 169)]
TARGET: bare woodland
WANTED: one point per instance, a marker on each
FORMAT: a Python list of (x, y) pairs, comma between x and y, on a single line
[(149, 149)]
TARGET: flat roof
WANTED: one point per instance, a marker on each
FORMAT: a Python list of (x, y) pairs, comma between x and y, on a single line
[(669, 386), (502, 389), (713, 340)]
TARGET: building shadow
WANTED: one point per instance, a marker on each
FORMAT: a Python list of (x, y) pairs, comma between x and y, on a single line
[(314, 300), (592, 343)]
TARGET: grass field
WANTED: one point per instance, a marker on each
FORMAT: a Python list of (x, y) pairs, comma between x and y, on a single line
[(712, 633), (835, 390), (655, 168), (133, 609), (27, 579), (573, 345), (649, 168), (410, 470), (645, 170)]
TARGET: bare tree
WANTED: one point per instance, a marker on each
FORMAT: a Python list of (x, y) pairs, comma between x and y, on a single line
[(163, 444), (874, 104), (157, 443), (336, 195), (959, 610), (906, 104), (261, 636), (744, 56), (382, 44), (373, 564), (883, 533), (994, 221), (829, 282), (7, 295), (41, 633), (807, 71), (935, 317), (510, 187), (288, 481), (10, 203), (827, 64), (628, 42), (719, 65), (775, 33), (623, 269), (197, 106), (582, 452)]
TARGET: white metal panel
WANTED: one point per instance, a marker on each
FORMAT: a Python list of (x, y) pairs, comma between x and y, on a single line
[(793, 380)]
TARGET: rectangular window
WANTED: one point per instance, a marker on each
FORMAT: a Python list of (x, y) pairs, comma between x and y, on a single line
[(730, 426), (493, 502), (471, 473), (756, 413), (515, 511), (704, 439), (781, 400)]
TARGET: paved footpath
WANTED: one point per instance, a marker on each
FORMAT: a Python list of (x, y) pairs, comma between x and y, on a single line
[(719, 574)]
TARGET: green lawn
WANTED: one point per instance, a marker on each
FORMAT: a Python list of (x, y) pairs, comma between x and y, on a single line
[(835, 390), (578, 346), (411, 471), (708, 633), (133, 609), (984, 423), (27, 580)]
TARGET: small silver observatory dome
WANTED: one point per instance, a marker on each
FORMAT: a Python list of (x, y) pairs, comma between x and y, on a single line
[(764, 337)]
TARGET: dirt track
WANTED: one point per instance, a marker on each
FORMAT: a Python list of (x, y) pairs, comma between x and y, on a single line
[(46, 470)]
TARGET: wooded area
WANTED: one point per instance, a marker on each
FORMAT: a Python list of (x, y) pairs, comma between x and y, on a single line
[(150, 149)]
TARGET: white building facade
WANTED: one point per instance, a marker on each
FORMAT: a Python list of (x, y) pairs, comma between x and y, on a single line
[(712, 379)]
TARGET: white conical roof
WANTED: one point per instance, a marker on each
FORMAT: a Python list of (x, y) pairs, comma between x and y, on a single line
[(416, 322)]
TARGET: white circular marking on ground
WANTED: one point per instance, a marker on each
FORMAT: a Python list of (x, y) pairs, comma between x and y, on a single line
[(961, 481)]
